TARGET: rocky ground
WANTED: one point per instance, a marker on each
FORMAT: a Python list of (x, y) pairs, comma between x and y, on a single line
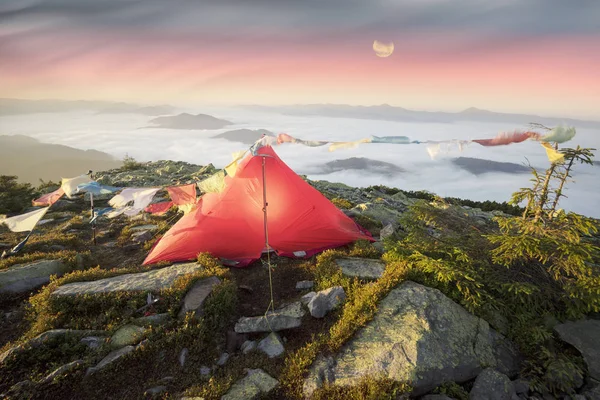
[(79, 320)]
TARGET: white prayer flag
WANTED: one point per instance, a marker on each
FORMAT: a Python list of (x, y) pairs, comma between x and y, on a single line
[(25, 222)]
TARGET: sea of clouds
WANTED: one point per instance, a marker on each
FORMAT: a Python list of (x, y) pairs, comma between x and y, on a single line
[(120, 134)]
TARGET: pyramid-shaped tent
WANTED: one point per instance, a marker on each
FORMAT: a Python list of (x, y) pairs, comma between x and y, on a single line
[(230, 224)]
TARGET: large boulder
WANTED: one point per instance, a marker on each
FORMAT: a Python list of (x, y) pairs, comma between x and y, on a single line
[(24, 277), (194, 299), (361, 267), (144, 281), (584, 335), (127, 335), (418, 336)]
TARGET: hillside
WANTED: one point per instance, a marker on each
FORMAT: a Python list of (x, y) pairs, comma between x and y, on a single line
[(32, 160), (444, 301)]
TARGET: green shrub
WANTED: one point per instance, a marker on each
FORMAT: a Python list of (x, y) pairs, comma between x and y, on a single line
[(14, 196), (341, 203)]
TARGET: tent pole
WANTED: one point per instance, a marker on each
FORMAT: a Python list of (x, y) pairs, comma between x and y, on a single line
[(268, 247), (94, 222)]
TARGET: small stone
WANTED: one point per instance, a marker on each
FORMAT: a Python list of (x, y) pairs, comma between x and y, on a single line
[(304, 285), (130, 248), (127, 335), (255, 383), (93, 342), (195, 297), (386, 231), (141, 237), (204, 370), (307, 297), (521, 386), (272, 345), (318, 306), (492, 385), (246, 288), (248, 346), (183, 356), (223, 359), (155, 391), (166, 379)]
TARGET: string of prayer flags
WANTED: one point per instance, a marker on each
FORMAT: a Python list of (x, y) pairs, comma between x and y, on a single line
[(553, 155), (49, 198), (214, 183)]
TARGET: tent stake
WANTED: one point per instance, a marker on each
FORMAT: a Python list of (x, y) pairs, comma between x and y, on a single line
[(268, 247)]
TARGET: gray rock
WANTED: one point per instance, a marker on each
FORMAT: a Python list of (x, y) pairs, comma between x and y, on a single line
[(57, 247), (93, 342), (195, 297), (154, 280), (111, 357), (127, 335), (584, 335), (318, 305), (204, 370), (142, 228), (521, 386), (256, 383), (183, 356), (361, 267), (152, 320), (62, 370), (307, 297), (285, 318), (492, 385), (248, 346), (386, 231), (155, 391), (593, 394), (325, 301), (223, 359), (436, 397), (25, 277), (272, 345), (304, 285), (321, 373), (141, 237), (418, 336)]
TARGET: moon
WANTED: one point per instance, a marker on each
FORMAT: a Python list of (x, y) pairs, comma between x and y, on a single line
[(383, 49)]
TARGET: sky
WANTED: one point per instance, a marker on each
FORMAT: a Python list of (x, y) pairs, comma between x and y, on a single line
[(526, 56)]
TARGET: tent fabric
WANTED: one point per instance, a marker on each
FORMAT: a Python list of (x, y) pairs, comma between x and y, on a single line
[(49, 198), (25, 222), (69, 185), (159, 208), (230, 224)]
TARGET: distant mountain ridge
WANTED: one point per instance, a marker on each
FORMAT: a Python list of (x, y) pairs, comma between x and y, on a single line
[(390, 113), (24, 106), (32, 160), (189, 121), (478, 166)]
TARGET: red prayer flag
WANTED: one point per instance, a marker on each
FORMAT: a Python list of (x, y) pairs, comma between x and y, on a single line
[(49, 198)]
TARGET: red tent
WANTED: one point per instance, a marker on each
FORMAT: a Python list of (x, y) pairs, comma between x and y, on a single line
[(230, 224)]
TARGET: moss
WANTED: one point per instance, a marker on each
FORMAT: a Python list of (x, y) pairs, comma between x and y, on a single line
[(368, 223), (369, 388), (342, 203)]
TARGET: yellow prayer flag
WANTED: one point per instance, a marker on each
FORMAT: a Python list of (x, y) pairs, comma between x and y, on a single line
[(553, 155), (348, 145)]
